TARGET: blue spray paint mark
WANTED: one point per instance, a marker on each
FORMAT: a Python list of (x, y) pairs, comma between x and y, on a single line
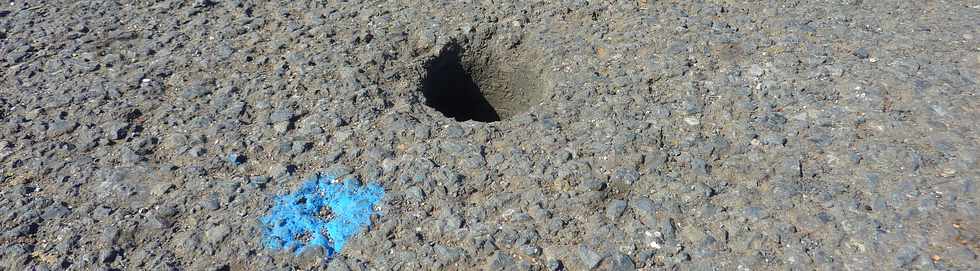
[(321, 213)]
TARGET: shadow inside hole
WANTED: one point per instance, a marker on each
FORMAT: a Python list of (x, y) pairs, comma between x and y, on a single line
[(449, 88)]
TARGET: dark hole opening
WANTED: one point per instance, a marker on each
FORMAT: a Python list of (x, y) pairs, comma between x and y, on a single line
[(449, 88)]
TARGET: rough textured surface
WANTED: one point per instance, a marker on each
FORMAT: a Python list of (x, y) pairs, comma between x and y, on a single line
[(754, 135)]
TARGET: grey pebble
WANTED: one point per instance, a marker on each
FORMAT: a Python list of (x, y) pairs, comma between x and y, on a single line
[(280, 116), (61, 127), (589, 258), (615, 209), (501, 261), (862, 53), (217, 233), (645, 209)]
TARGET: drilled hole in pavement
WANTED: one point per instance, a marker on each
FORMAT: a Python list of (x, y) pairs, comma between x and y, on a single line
[(480, 85)]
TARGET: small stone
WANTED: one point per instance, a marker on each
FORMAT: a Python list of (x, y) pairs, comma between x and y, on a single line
[(338, 170), (202, 3), (448, 254), (653, 239), (454, 222), (756, 70), (211, 204), (312, 257), (646, 210), (615, 209), (279, 170), (553, 265), (625, 177), (549, 123), (693, 121), (455, 131), (166, 211), (754, 213), (108, 255), (862, 53), (198, 151), (195, 91), (174, 141), (538, 213), (299, 147), (501, 261), (590, 259), (700, 167), (258, 181), (947, 172), (159, 223), (337, 265), (426, 38), (283, 147), (592, 185), (55, 211), (280, 116), (775, 139), (531, 250), (128, 155), (281, 127), (776, 120), (835, 70), (415, 193), (618, 261), (422, 132), (101, 212), (217, 233), (116, 130), (22, 230), (389, 165), (161, 188), (669, 231), (61, 127)]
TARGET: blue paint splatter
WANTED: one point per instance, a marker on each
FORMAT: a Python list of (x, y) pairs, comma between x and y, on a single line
[(321, 213)]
